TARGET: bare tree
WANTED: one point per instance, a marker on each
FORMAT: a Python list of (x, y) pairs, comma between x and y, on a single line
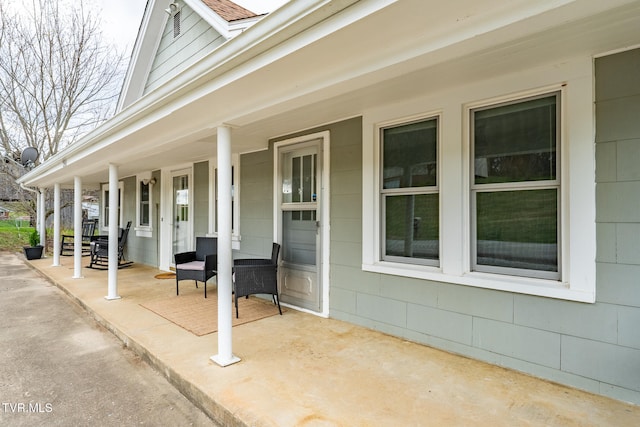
[(58, 78)]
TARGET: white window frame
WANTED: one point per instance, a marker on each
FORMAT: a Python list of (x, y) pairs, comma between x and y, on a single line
[(516, 186), (410, 190), (103, 207), (235, 200), (144, 230), (577, 194)]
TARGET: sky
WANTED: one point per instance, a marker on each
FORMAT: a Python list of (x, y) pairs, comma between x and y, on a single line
[(121, 18)]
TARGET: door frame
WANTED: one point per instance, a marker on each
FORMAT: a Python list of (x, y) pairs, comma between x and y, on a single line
[(166, 211), (323, 210)]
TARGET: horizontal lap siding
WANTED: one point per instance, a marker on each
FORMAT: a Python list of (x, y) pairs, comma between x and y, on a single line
[(197, 38), (595, 347), (201, 199), (591, 346), (256, 204), (142, 250), (610, 352)]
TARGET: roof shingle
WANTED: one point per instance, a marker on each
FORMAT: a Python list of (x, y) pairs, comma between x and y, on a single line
[(228, 10)]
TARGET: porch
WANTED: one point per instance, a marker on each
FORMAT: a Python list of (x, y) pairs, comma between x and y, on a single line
[(299, 369)]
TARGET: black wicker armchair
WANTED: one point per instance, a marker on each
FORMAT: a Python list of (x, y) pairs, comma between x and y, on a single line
[(199, 265), (257, 276)]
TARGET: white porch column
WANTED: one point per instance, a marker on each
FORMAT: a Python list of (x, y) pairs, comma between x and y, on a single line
[(113, 233), (56, 225), (77, 227), (42, 227), (225, 355), (38, 211)]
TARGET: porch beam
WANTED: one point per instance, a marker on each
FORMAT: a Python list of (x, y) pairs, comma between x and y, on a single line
[(56, 225), (225, 355), (77, 227), (112, 291)]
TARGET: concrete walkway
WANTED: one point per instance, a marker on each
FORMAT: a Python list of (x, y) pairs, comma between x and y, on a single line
[(301, 370), (59, 368)]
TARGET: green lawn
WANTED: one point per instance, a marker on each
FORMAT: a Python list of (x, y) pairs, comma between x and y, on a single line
[(14, 235)]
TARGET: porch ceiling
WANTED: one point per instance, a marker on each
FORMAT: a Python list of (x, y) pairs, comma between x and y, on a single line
[(308, 81)]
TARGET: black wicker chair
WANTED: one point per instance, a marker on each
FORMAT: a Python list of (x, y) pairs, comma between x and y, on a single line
[(257, 276), (198, 265), (100, 250), (88, 231)]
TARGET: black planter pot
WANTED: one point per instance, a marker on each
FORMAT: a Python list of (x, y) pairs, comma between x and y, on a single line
[(33, 252)]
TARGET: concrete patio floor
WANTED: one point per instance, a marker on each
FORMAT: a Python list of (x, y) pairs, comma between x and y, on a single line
[(301, 370)]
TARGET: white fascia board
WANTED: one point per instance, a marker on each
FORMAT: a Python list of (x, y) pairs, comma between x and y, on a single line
[(241, 25), (144, 51), (216, 21), (291, 19), (294, 26), (226, 28), (135, 55)]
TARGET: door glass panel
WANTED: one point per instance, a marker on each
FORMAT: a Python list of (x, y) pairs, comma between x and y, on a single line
[(299, 230), (180, 213), (299, 183), (295, 179), (299, 237)]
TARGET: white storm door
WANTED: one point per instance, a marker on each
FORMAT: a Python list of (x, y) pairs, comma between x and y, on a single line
[(178, 216), (299, 220)]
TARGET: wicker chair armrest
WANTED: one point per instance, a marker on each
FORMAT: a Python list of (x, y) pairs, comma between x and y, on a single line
[(211, 262), (183, 257), (99, 245), (252, 261), (101, 240)]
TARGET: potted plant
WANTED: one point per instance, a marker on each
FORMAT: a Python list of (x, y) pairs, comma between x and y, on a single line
[(35, 250)]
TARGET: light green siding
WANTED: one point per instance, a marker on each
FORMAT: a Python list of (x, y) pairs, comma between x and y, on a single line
[(595, 347), (174, 54), (134, 247), (140, 249), (590, 346), (256, 204), (201, 199), (615, 361)]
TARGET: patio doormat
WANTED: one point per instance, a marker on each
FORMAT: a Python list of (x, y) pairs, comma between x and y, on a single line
[(199, 315), (165, 276)]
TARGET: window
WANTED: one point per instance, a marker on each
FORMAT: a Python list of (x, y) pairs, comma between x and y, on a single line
[(515, 184), (515, 188), (145, 195), (409, 192), (106, 207), (144, 200)]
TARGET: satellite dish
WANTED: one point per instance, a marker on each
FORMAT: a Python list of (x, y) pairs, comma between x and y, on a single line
[(29, 156)]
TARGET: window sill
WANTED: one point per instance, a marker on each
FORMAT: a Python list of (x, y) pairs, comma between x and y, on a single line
[(235, 240), (144, 232), (521, 285)]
